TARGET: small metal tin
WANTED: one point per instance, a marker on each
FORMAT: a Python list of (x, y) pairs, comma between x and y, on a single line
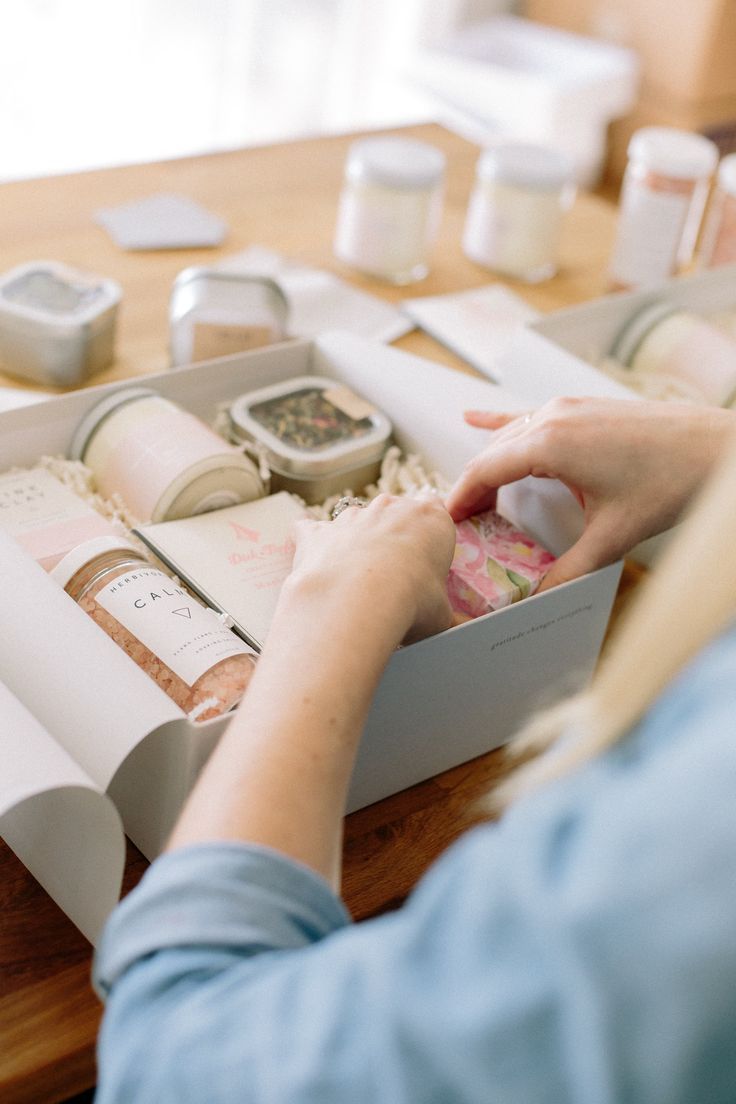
[(319, 438), (215, 313), (57, 323)]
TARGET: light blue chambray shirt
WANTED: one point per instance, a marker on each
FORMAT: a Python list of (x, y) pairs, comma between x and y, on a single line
[(582, 950)]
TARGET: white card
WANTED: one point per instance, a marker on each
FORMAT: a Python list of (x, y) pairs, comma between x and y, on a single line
[(235, 559), (320, 301), (478, 325), (162, 221)]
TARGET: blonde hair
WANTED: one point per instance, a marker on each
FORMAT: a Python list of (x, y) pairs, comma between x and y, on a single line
[(689, 598)]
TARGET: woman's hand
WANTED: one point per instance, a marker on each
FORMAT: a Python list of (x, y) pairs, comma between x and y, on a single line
[(360, 585), (633, 466), (391, 557)]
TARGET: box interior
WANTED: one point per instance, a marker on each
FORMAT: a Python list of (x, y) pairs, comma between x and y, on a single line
[(441, 701)]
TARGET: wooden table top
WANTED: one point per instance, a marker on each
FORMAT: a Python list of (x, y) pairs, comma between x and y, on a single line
[(283, 197)]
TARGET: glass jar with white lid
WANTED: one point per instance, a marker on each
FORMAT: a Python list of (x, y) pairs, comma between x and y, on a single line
[(663, 195), (390, 207), (516, 211)]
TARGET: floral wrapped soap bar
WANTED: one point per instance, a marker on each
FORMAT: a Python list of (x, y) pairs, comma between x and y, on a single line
[(494, 565)]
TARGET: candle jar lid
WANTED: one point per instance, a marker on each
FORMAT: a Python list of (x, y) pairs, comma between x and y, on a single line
[(527, 166), (94, 418), (311, 425), (679, 154), (401, 163)]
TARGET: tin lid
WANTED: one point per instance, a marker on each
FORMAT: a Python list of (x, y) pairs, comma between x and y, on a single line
[(87, 551), (57, 295), (101, 410), (628, 341), (402, 163), (727, 174), (528, 165), (672, 152), (311, 425), (197, 273)]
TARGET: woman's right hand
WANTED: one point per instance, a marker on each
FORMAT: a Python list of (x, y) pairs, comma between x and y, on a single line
[(633, 466)]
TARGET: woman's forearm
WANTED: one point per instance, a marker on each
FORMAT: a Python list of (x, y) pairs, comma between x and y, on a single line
[(279, 776)]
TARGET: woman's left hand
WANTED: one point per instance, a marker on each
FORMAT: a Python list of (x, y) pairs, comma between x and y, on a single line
[(392, 555)]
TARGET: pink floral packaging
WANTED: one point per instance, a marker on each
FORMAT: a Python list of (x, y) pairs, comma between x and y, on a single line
[(494, 565)]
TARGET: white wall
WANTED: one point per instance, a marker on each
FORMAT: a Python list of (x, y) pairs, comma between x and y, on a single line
[(85, 83)]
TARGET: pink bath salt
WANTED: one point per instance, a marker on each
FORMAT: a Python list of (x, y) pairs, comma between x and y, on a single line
[(494, 565)]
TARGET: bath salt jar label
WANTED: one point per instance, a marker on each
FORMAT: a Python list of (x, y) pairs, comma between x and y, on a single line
[(185, 635)]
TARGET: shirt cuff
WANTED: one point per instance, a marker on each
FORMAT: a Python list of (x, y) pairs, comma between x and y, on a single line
[(241, 897)]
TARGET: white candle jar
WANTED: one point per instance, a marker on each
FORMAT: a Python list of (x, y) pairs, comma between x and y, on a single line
[(164, 462), (516, 210), (390, 208)]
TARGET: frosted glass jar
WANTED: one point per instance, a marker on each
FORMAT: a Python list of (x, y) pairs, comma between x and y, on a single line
[(390, 208), (164, 462), (183, 646), (663, 196), (719, 235), (516, 210)]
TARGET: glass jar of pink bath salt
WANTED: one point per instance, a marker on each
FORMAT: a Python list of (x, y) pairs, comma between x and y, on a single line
[(181, 644)]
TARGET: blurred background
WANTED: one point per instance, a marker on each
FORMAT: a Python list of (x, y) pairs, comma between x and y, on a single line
[(85, 84)]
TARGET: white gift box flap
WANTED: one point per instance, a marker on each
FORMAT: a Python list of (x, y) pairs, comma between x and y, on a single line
[(60, 826)]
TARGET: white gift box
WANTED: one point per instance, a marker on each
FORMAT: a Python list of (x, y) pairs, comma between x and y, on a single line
[(441, 701), (558, 353)]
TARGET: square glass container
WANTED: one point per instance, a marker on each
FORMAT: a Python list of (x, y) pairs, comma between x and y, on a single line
[(57, 323), (319, 438)]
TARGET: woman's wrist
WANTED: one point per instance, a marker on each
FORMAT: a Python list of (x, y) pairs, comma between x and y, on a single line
[(373, 610)]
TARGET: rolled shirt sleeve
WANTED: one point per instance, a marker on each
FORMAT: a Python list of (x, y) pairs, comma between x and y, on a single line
[(582, 950)]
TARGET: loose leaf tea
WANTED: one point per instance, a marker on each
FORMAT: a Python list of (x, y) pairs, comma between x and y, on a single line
[(307, 420)]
